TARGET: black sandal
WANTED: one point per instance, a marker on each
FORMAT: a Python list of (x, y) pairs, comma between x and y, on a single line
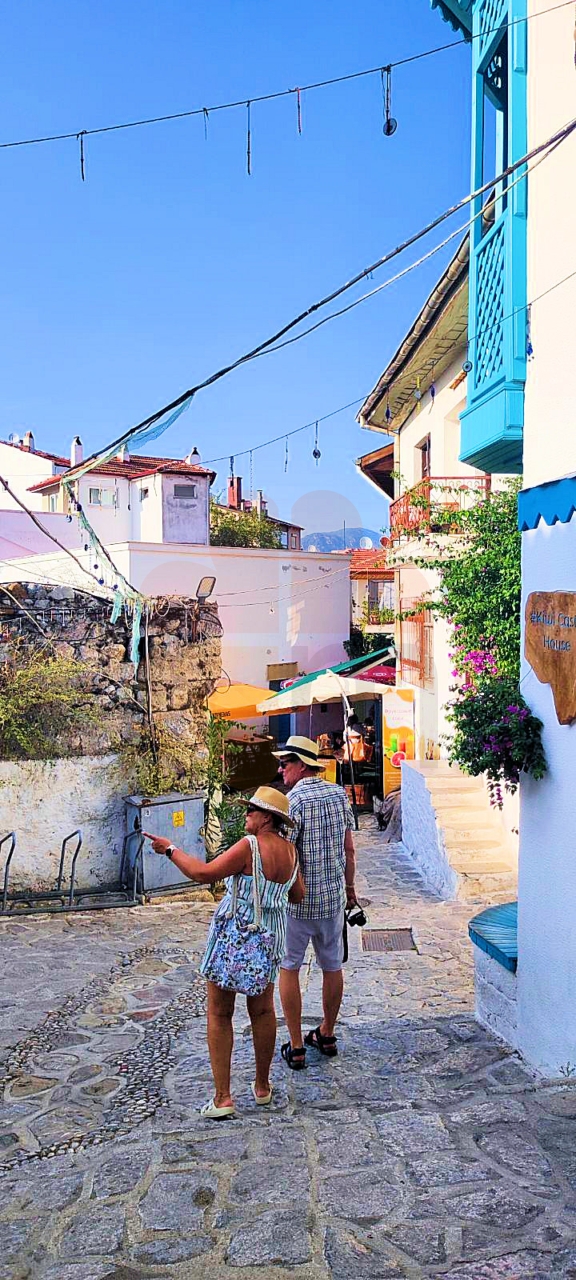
[(294, 1058), (325, 1044)]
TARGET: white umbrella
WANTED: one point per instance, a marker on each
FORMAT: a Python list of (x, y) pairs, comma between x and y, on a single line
[(327, 687)]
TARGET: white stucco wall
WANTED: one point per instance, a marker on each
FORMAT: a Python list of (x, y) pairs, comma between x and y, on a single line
[(275, 606), (547, 868), (430, 702), (111, 524), (496, 992), (22, 469), (43, 802), (422, 836), (440, 420), (185, 520), (146, 513), (549, 436)]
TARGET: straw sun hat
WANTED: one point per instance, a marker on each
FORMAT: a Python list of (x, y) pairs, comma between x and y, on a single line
[(270, 801), (304, 748)]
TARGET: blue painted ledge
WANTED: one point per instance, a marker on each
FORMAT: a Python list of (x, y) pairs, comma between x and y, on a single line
[(495, 931), (553, 502)]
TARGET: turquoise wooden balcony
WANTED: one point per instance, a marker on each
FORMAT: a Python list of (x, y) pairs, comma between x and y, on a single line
[(492, 423)]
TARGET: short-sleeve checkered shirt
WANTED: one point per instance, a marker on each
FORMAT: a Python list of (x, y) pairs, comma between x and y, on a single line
[(322, 816)]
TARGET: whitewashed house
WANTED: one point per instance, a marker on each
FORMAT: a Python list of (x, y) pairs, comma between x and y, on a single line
[(520, 416), (283, 611)]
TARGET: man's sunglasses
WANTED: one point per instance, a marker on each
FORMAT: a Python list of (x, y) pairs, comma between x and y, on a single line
[(289, 760)]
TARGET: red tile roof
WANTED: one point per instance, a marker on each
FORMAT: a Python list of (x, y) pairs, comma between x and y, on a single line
[(365, 564), (135, 468)]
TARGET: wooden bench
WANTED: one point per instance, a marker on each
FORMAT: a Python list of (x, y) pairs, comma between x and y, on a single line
[(495, 931)]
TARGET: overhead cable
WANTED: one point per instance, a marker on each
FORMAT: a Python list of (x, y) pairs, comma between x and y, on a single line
[(153, 425), (249, 100)]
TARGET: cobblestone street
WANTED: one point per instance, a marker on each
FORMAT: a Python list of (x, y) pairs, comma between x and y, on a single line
[(425, 1149)]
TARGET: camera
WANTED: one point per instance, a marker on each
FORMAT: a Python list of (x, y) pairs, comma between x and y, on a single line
[(355, 915)]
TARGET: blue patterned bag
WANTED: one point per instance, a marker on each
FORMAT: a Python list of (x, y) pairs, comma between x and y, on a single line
[(242, 954)]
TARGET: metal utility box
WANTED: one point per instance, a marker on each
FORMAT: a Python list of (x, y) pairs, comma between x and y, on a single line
[(178, 817)]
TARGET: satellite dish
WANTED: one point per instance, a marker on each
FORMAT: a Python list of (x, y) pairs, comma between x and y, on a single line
[(366, 544), (13, 438)]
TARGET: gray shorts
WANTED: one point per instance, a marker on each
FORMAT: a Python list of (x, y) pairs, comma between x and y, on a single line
[(325, 936)]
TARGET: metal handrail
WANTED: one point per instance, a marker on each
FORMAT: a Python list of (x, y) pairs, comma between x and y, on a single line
[(77, 833), (11, 836), (413, 510)]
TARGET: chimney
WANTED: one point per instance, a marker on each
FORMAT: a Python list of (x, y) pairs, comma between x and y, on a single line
[(28, 442), (235, 492), (193, 459), (261, 504), (76, 452), (123, 455)]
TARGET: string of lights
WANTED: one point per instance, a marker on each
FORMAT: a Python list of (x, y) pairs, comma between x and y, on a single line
[(383, 70)]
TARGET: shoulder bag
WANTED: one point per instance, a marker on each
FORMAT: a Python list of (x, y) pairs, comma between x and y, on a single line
[(242, 954)]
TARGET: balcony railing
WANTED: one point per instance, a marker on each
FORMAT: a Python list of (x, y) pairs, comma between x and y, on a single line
[(427, 506)]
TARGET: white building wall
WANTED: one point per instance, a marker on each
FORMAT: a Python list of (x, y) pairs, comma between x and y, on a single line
[(547, 869), (274, 606), (111, 524), (185, 519), (44, 801), (438, 418), (146, 513), (549, 435), (22, 469)]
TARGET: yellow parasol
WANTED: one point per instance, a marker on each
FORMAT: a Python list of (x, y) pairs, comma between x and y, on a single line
[(239, 701)]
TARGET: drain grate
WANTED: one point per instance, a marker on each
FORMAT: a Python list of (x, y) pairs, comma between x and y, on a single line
[(388, 940)]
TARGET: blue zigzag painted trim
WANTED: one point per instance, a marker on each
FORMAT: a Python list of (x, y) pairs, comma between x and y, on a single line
[(553, 502)]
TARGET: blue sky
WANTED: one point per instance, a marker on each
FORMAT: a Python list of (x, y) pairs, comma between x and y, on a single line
[(118, 293)]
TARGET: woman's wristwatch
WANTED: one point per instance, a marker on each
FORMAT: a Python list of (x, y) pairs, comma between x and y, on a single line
[(170, 851)]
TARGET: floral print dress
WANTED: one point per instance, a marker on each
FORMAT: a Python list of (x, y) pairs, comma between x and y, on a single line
[(273, 904)]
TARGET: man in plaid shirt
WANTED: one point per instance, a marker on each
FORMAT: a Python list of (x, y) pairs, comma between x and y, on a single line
[(323, 837)]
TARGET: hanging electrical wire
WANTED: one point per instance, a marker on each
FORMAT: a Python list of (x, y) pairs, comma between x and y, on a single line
[(284, 93), (154, 425)]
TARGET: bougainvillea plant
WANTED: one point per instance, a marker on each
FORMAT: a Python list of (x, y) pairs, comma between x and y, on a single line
[(495, 733), (479, 594)]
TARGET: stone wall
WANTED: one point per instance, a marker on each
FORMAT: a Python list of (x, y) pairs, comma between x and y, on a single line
[(42, 801), (184, 661)]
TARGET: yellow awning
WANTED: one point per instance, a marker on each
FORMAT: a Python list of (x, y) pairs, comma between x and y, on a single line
[(239, 702)]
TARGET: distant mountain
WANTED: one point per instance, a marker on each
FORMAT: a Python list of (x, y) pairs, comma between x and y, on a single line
[(338, 541)]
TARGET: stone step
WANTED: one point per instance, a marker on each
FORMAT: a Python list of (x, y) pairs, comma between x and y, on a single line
[(460, 837), (489, 887), (471, 837), (481, 863), (459, 786), (466, 815)]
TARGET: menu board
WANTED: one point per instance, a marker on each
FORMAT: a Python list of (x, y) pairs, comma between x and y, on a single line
[(398, 734)]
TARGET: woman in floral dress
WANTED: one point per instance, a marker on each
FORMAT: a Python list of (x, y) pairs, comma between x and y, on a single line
[(279, 882)]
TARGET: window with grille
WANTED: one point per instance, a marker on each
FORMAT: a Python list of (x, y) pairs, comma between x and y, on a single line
[(416, 646), (185, 491)]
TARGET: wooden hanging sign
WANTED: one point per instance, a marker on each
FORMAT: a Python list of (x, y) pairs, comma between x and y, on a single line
[(550, 646)]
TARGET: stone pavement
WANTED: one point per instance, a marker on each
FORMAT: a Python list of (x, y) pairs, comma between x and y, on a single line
[(425, 1149)]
